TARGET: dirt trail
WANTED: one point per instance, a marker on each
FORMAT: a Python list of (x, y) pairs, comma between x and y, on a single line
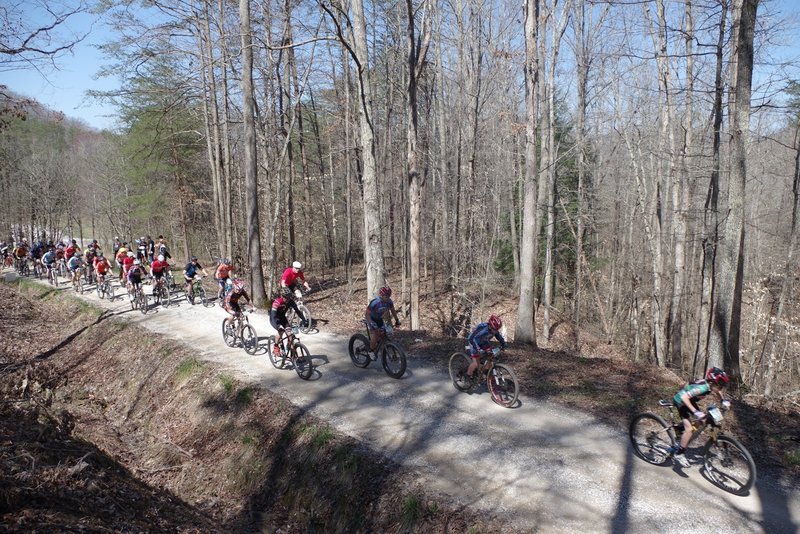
[(542, 466)]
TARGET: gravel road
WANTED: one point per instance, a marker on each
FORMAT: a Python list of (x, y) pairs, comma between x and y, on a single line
[(544, 467)]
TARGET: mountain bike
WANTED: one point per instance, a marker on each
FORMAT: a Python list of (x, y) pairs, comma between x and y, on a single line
[(197, 292), (139, 300), (727, 462), (161, 292), (290, 348), (239, 329), (500, 378), (104, 287), (52, 275), (77, 280), (23, 269), (62, 267), (294, 319), (393, 356)]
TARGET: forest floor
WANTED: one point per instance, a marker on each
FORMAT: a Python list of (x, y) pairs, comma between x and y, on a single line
[(78, 449)]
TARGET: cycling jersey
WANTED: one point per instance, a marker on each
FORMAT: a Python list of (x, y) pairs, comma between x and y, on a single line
[(191, 269), (277, 315), (158, 268), (480, 336), (232, 300), (20, 252), (70, 251), (101, 265), (74, 263), (127, 264), (135, 274), (696, 390), (289, 277), (223, 270), (49, 258), (378, 309)]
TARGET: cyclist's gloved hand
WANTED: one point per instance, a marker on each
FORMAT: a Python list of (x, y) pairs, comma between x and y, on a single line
[(726, 405), (699, 414)]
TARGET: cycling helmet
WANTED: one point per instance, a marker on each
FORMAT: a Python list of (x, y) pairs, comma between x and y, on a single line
[(297, 265), (238, 284), (137, 262), (385, 291), (161, 257), (717, 376), (495, 322), (194, 258), (131, 254)]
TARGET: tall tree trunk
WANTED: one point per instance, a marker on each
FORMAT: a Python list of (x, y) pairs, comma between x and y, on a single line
[(250, 161), (525, 329), (728, 305), (415, 62), (373, 240)]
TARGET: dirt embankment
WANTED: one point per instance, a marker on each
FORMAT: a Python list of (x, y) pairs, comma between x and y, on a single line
[(108, 428)]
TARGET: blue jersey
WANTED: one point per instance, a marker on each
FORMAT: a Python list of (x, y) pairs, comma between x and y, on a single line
[(74, 262), (378, 308), (479, 338), (191, 269), (49, 257)]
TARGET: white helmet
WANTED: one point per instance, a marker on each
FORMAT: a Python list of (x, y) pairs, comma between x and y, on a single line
[(131, 254), (297, 265), (161, 257), (137, 262)]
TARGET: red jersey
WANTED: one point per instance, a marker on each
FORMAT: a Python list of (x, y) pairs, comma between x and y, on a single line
[(69, 251), (290, 277), (223, 271), (158, 267), (127, 263), (101, 265)]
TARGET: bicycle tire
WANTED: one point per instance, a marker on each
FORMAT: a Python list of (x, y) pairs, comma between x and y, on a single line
[(359, 350), (393, 359), (101, 293), (302, 361), (503, 385), (165, 297), (109, 290), (204, 299), (249, 339), (228, 333), (652, 438), (278, 360), (459, 363), (729, 465), (80, 287), (142, 302)]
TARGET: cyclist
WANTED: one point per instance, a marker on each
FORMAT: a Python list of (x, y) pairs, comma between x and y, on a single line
[(479, 341), (127, 263), (135, 275), (159, 269), (74, 265), (49, 259), (121, 254), (232, 300), (141, 249), (21, 253), (88, 258), (72, 249), (292, 276), (115, 247), (190, 271), (376, 312), (162, 248), (221, 275), (686, 402), (277, 315), (101, 267)]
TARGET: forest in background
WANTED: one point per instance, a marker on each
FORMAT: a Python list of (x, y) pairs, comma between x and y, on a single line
[(605, 161)]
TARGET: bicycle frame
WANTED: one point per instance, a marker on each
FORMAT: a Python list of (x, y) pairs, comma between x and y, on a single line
[(699, 426)]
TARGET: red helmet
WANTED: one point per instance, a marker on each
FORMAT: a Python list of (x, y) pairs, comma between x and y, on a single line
[(717, 376), (385, 291), (238, 284), (495, 322)]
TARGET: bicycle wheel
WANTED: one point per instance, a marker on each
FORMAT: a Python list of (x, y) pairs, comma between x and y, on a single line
[(359, 350), (79, 286), (101, 291), (201, 293), (302, 361), (164, 296), (459, 363), (228, 332), (503, 385), (393, 358), (305, 326), (109, 290), (249, 339), (652, 438), (142, 302), (277, 359), (729, 465)]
